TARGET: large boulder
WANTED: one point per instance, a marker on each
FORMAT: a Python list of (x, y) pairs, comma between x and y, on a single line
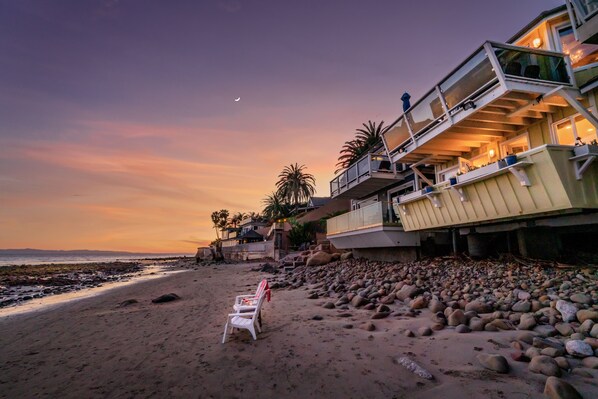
[(318, 259), (578, 348), (544, 365), (494, 362)]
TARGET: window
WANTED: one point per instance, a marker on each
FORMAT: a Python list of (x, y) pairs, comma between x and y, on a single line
[(581, 54), (515, 145), (575, 127)]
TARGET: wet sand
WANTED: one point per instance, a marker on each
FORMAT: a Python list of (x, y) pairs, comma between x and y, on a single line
[(93, 348)]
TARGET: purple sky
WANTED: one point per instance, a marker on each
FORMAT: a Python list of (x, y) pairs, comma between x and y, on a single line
[(118, 128)]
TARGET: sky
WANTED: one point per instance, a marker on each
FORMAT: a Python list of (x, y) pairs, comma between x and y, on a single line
[(118, 125)]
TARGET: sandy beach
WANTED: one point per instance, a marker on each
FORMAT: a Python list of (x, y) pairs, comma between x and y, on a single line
[(93, 348)]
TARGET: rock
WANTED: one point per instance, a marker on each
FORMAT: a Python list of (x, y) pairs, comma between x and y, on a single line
[(418, 303), (587, 314), (541, 343), (358, 301), (380, 315), (477, 324), (368, 326), (328, 305), (408, 333), (318, 259), (556, 388), (437, 326), (414, 368), (562, 362), (166, 298), (342, 301), (567, 310), (457, 317), (478, 307), (439, 318), (523, 295), (545, 330), (586, 327), (517, 345), (502, 324), (388, 300), (578, 348), (594, 331), (564, 329), (590, 362), (370, 306), (552, 352), (490, 327), (582, 373), (407, 291), (346, 255), (581, 298), (522, 306), (425, 331), (317, 317), (526, 337), (527, 321), (544, 365), (313, 295), (593, 342), (532, 352), (436, 306), (462, 329), (518, 356), (494, 362), (128, 302), (348, 326)]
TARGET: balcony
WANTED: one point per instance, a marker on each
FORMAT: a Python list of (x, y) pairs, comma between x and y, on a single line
[(498, 90), (545, 180), (371, 173), (583, 13), (372, 226)]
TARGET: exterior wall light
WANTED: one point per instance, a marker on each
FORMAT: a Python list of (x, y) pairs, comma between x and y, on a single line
[(491, 153), (537, 42)]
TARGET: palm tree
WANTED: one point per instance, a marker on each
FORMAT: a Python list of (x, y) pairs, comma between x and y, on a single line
[(275, 207), (235, 220), (219, 220), (294, 185), (365, 139)]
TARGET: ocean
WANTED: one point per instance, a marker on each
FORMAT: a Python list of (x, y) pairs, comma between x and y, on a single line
[(44, 259)]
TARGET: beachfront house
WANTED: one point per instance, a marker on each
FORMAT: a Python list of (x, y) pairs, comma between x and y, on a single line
[(501, 149)]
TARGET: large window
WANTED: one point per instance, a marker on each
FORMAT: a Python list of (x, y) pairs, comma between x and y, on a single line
[(569, 130), (581, 54)]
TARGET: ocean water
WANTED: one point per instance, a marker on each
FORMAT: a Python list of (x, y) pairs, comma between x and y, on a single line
[(44, 259)]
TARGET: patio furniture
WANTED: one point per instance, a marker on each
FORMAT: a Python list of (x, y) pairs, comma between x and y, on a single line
[(248, 302), (246, 320)]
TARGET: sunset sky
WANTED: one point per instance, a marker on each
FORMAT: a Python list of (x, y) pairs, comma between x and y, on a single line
[(118, 125)]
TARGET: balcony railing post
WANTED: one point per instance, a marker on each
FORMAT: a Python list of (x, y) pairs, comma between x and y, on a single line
[(572, 80), (494, 62), (410, 130), (443, 103)]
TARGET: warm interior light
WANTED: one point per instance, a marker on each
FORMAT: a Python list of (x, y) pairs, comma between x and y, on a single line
[(537, 42), (491, 153)]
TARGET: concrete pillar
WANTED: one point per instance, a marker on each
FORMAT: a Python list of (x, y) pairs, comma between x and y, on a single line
[(477, 245), (539, 242)]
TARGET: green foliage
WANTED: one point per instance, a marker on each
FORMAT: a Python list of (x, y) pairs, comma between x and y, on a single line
[(365, 140), (219, 220), (300, 232), (275, 207)]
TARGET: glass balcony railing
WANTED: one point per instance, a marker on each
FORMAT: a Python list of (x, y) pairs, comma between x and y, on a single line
[(360, 170), (476, 75), (585, 9), (373, 215)]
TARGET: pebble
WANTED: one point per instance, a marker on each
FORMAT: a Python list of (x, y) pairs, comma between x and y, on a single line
[(522, 306), (414, 368), (519, 356), (368, 326), (313, 295), (567, 309), (544, 365), (462, 329), (586, 314), (581, 298), (590, 362), (578, 348), (556, 388), (317, 317), (564, 329), (425, 331), (562, 362), (456, 318), (408, 333), (166, 298), (329, 305), (527, 321), (494, 362)]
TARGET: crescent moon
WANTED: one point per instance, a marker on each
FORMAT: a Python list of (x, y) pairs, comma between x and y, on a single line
[(238, 99)]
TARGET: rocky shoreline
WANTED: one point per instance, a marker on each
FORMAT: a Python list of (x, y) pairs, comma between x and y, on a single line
[(555, 309), (22, 283)]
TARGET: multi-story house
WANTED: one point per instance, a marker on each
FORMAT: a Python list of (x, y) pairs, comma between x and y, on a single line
[(493, 153)]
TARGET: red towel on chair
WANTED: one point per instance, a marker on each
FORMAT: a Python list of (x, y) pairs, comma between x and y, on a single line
[(268, 292)]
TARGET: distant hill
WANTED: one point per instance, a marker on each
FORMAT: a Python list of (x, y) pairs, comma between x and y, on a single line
[(76, 252)]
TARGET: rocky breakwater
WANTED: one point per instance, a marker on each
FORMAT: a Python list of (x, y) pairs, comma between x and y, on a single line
[(555, 309), (26, 282)]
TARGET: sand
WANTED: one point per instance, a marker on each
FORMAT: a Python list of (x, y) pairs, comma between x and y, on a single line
[(92, 348)]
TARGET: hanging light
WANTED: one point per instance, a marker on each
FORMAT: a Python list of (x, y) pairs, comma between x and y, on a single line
[(537, 42)]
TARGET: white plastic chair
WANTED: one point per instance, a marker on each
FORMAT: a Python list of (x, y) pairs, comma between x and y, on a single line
[(248, 302), (246, 320)]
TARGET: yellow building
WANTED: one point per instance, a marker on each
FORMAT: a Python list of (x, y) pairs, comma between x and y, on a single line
[(504, 144)]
